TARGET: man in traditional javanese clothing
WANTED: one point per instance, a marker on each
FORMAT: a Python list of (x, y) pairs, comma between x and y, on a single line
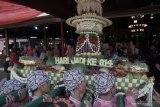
[(10, 86), (105, 91), (75, 84), (38, 84)]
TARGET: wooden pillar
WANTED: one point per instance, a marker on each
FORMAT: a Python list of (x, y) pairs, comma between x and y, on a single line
[(62, 38), (45, 38), (14, 40), (29, 42), (6, 42)]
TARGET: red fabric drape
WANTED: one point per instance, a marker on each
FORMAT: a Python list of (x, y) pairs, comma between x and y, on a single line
[(13, 13)]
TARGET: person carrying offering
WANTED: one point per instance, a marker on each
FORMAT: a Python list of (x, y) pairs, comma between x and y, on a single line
[(105, 91)]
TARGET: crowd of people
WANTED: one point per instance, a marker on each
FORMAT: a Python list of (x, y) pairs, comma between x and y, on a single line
[(127, 50), (74, 80), (75, 85), (36, 51), (149, 55)]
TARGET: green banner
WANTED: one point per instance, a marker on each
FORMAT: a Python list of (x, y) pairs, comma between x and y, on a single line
[(82, 60)]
